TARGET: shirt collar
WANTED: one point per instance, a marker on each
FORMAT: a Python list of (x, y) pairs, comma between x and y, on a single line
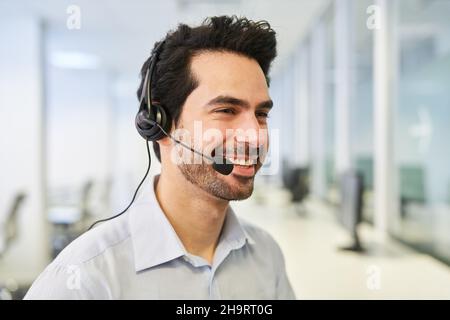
[(154, 239), (156, 242)]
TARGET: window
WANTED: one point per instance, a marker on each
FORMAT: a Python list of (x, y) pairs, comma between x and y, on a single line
[(422, 125)]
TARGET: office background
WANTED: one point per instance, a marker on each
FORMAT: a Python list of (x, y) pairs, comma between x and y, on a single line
[(358, 84)]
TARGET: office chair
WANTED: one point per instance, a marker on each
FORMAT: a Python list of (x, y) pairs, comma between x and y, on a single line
[(9, 231)]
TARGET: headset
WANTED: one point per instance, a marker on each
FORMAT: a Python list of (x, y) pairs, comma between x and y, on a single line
[(153, 123)]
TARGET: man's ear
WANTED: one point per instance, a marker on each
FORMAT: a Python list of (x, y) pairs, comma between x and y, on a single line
[(166, 141)]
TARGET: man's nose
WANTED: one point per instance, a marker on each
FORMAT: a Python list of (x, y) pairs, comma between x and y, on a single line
[(250, 131)]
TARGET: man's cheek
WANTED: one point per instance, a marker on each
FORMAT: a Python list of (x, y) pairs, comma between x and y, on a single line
[(263, 150), (211, 139)]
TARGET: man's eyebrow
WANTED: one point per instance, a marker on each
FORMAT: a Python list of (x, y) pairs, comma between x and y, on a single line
[(265, 105), (238, 102)]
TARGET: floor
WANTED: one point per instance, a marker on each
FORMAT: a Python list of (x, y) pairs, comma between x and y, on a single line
[(310, 239)]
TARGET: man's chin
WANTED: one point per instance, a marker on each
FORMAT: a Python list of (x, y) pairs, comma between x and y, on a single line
[(231, 187), (240, 187)]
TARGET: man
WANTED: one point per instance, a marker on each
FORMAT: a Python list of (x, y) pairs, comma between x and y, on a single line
[(180, 239)]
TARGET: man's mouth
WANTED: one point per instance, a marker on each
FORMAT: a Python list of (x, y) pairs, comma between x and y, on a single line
[(243, 161), (243, 167)]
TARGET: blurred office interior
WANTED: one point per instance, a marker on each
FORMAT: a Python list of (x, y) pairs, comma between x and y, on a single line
[(362, 105)]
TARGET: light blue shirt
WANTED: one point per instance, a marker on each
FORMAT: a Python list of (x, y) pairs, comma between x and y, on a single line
[(139, 256)]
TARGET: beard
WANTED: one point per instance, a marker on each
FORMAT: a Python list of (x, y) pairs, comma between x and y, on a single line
[(212, 182)]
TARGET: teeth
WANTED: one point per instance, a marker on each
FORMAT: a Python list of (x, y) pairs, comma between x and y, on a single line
[(231, 160), (242, 162)]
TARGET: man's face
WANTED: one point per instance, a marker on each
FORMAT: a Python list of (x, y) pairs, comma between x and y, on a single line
[(231, 99)]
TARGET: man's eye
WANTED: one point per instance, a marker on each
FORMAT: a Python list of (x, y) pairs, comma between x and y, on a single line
[(262, 114), (226, 111)]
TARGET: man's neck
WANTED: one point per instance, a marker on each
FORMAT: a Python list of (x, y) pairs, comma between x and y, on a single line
[(196, 216)]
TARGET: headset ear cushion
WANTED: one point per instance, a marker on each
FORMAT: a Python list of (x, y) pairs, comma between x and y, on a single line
[(146, 124), (166, 120)]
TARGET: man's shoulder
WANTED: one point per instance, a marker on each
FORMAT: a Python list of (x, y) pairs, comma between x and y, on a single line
[(92, 244), (83, 264), (260, 237)]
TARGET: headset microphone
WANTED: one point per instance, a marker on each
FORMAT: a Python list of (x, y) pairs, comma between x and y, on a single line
[(223, 168)]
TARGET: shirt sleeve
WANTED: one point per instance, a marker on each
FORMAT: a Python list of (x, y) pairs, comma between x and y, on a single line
[(59, 282)]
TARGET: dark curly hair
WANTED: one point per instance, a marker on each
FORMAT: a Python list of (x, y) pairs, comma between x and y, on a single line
[(173, 81)]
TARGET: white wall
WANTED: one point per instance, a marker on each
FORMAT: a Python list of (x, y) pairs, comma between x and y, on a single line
[(79, 122), (21, 144)]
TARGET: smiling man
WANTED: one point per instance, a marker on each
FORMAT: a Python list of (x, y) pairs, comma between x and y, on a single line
[(181, 239)]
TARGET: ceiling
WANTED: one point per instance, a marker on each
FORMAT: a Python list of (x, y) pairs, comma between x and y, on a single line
[(121, 33)]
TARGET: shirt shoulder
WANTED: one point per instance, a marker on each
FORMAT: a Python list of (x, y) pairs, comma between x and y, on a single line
[(258, 235), (265, 244), (262, 243), (94, 243), (79, 271)]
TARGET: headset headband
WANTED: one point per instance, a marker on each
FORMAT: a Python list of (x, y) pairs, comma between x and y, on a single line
[(146, 94)]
